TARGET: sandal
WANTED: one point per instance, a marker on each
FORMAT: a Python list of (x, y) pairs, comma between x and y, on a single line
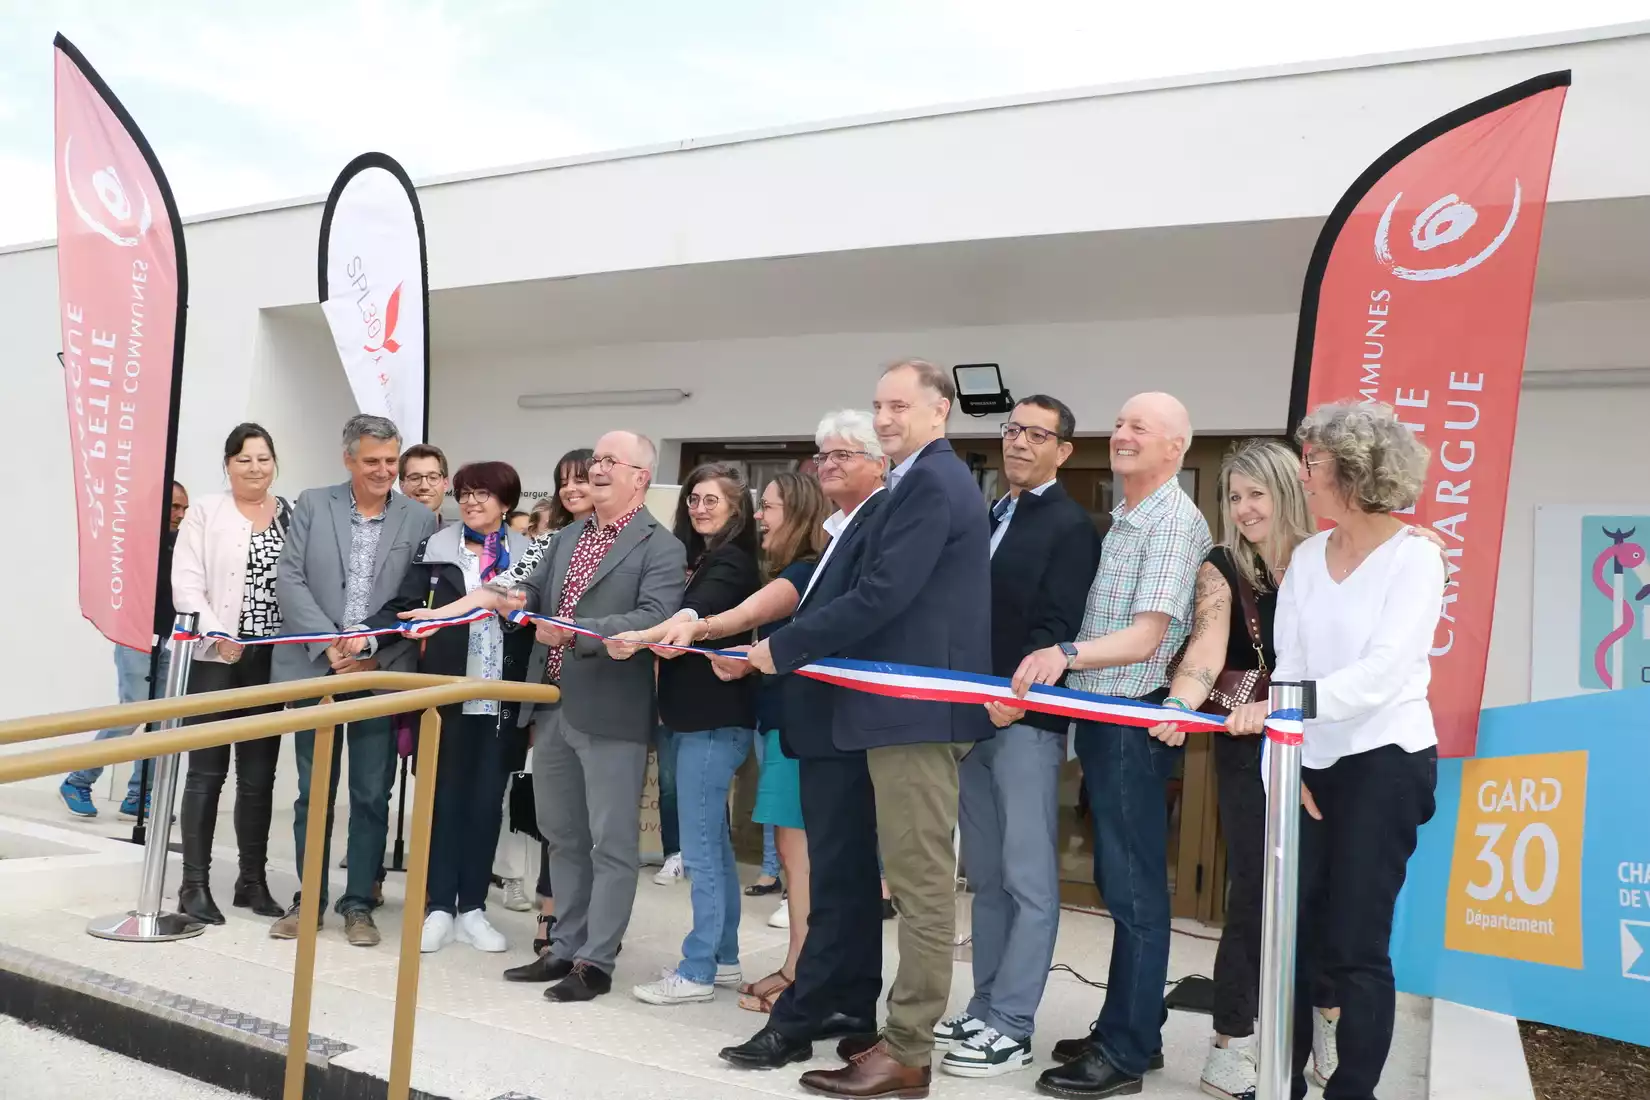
[(760, 996), (541, 944), (763, 889)]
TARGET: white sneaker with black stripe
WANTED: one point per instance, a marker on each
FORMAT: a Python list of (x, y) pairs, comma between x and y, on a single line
[(986, 1053), (953, 1030)]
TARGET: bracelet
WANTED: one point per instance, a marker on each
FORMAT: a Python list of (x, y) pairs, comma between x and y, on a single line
[(1177, 702), (703, 631)]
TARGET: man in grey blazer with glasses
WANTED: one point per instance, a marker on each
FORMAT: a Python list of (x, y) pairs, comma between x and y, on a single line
[(346, 552), (618, 570)]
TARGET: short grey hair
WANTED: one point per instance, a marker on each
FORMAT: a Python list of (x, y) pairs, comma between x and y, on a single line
[(1379, 464), (366, 426), (649, 452), (853, 425)]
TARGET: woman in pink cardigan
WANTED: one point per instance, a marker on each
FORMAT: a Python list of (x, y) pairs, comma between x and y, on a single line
[(224, 570)]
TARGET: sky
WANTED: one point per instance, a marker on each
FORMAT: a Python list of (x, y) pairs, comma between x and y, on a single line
[(251, 103)]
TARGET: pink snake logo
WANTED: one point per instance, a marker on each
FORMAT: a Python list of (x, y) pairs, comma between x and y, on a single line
[(1619, 558)]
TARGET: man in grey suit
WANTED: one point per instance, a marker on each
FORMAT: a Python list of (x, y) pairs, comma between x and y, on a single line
[(346, 552), (619, 570)]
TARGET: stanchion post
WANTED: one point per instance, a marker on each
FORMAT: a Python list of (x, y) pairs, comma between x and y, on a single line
[(149, 922), (312, 877), (1294, 702), (406, 974)]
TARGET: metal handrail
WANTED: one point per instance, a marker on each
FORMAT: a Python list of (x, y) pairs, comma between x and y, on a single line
[(404, 692)]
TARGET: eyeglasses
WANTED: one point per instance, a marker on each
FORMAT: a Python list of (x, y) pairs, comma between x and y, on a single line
[(605, 463), (839, 457), (1313, 461), (420, 479), (479, 496), (709, 500), (1036, 436)]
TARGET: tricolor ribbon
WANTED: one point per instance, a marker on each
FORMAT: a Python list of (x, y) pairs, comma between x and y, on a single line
[(896, 681)]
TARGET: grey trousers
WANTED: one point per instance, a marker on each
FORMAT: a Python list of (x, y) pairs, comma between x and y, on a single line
[(1008, 810), (588, 791)]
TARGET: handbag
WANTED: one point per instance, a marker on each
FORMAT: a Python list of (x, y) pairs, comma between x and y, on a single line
[(1236, 686), (524, 816)]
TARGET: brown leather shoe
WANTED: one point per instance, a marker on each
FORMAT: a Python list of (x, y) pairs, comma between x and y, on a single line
[(874, 1073)]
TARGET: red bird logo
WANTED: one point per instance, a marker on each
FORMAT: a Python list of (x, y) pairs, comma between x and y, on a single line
[(392, 313)]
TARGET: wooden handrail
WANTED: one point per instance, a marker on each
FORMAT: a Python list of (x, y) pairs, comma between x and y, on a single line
[(148, 711), (425, 692)]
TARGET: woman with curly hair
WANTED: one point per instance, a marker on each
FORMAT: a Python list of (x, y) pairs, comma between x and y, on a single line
[(1356, 614)]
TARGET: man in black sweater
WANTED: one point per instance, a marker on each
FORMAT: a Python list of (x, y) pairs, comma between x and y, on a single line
[(1044, 553)]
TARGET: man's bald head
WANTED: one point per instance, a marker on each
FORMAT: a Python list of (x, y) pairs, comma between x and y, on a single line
[(620, 472), (1151, 438)]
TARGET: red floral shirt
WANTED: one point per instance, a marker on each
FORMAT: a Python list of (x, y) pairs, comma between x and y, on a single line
[(593, 545)]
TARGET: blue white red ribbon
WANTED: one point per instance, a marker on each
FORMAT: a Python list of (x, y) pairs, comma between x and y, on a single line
[(896, 681)]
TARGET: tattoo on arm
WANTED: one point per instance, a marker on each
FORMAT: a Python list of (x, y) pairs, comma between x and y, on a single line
[(1202, 676)]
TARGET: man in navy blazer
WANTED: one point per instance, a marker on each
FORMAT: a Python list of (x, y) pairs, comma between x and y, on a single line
[(839, 972), (921, 598), (1044, 553)]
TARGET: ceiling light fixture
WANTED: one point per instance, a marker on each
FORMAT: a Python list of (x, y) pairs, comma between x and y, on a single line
[(587, 398)]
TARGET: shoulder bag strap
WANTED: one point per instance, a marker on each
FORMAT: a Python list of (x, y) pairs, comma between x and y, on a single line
[(1250, 607)]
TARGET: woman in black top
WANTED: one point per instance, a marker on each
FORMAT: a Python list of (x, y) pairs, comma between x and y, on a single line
[(713, 721)]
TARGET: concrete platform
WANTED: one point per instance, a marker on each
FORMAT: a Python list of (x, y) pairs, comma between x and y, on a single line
[(480, 1038)]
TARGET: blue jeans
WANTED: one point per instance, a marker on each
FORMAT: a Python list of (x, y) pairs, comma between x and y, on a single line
[(670, 831), (770, 850), (132, 674), (369, 803), (705, 763), (1127, 775)]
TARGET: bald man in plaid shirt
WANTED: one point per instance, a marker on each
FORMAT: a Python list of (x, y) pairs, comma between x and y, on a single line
[(1139, 612)]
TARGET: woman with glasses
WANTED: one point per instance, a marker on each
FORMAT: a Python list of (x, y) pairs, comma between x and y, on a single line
[(1356, 614), (712, 720), (792, 522), (480, 743), (224, 570)]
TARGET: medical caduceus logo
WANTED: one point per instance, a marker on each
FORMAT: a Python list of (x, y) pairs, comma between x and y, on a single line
[(112, 196), (1443, 223)]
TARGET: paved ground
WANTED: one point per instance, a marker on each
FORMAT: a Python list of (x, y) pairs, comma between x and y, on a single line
[(480, 1037), (43, 1065)]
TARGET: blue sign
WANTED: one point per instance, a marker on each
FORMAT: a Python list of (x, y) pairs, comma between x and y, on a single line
[(1529, 891)]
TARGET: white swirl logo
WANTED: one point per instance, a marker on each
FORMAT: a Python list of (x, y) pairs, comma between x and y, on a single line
[(1444, 222), (111, 193)]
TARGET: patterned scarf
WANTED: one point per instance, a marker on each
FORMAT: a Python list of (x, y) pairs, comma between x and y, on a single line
[(495, 552)]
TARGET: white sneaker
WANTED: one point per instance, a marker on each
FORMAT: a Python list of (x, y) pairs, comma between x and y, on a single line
[(472, 928), (515, 896), (986, 1053), (1324, 1056), (438, 932), (673, 989), (1230, 1071), (955, 1030), (781, 917), (729, 975), (671, 871)]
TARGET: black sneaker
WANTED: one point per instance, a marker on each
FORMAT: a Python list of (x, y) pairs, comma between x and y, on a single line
[(585, 983)]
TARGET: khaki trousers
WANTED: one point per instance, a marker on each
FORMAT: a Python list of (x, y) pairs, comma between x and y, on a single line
[(916, 796)]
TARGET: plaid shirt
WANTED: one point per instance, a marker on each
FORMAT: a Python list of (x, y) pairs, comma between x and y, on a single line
[(594, 543), (1148, 562)]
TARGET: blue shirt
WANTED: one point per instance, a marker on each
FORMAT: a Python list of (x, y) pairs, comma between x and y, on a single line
[(770, 704)]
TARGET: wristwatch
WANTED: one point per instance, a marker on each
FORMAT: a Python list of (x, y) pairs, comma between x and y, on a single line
[(1070, 651)]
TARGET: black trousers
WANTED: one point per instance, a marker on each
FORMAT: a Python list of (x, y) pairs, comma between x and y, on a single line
[(472, 769), (255, 763), (1352, 865), (1243, 822), (840, 968)]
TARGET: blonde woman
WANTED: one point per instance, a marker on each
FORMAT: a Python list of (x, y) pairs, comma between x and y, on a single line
[(1356, 614)]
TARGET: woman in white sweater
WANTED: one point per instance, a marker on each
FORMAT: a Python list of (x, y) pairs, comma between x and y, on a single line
[(1356, 613), (224, 570)]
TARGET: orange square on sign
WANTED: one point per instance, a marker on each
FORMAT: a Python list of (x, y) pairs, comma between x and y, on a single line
[(1515, 878)]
